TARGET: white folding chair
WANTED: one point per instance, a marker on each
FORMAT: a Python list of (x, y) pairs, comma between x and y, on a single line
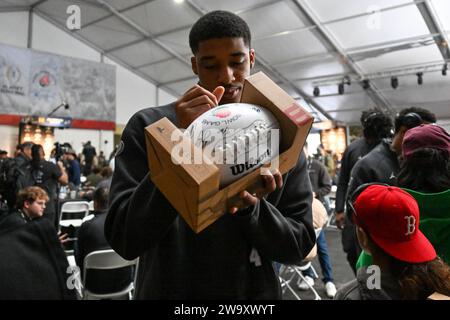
[(286, 277), (107, 260), (80, 209), (72, 214), (298, 270), (91, 205)]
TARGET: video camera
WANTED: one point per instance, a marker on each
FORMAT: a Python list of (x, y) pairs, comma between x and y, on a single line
[(60, 149)]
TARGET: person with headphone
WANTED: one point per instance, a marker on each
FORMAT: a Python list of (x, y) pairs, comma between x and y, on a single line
[(376, 126), (382, 164)]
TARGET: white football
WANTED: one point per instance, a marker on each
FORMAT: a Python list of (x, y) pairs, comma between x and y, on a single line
[(237, 137)]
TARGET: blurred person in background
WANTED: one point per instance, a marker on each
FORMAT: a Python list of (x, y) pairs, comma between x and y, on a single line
[(47, 175), (73, 168), (89, 154), (91, 237), (321, 185), (377, 125)]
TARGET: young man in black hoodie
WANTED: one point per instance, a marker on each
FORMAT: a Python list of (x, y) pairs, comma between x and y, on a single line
[(232, 258), (90, 238)]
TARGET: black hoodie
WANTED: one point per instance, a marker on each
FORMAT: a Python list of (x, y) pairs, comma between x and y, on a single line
[(379, 165), (33, 265), (230, 259), (367, 287)]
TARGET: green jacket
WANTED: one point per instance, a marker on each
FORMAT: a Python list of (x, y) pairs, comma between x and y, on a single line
[(434, 223)]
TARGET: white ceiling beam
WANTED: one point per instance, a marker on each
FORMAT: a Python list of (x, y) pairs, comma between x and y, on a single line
[(306, 13), (143, 32), (428, 13)]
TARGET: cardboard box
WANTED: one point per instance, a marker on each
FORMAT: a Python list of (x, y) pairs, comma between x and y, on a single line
[(193, 189)]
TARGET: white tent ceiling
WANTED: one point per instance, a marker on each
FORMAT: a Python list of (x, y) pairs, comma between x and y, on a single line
[(301, 44)]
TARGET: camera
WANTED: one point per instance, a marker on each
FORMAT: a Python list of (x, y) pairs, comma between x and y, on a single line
[(60, 149)]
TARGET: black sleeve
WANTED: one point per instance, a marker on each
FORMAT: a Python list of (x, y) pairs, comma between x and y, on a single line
[(33, 264), (344, 177), (55, 172), (324, 182), (139, 215), (284, 232), (360, 174)]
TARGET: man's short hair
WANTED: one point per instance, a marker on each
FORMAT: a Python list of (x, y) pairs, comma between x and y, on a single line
[(26, 145), (376, 124), (106, 172), (97, 169), (100, 198), (218, 24), (405, 116), (30, 194)]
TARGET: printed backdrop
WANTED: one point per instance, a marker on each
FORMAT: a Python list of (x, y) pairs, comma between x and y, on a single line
[(34, 83)]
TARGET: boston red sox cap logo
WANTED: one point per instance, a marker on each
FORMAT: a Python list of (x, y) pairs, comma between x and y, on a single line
[(410, 225)]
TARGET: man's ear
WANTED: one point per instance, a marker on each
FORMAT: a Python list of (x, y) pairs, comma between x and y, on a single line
[(252, 58), (363, 239), (194, 65), (26, 204)]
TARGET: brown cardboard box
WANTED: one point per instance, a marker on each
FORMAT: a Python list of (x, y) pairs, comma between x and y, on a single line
[(193, 189)]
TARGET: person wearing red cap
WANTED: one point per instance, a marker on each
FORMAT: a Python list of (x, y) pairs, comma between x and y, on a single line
[(425, 175), (387, 224)]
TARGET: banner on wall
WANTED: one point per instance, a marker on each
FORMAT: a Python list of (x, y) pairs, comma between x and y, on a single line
[(34, 83)]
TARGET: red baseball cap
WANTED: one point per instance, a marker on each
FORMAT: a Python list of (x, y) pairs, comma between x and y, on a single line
[(390, 216), (425, 136)]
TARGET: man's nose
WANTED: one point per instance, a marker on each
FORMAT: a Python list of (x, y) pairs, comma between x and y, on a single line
[(226, 75)]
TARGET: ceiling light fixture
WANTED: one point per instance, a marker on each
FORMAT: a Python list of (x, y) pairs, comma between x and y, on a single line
[(394, 82), (341, 88), (316, 91), (366, 84), (419, 78), (178, 1)]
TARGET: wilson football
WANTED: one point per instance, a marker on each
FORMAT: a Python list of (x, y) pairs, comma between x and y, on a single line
[(237, 137)]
